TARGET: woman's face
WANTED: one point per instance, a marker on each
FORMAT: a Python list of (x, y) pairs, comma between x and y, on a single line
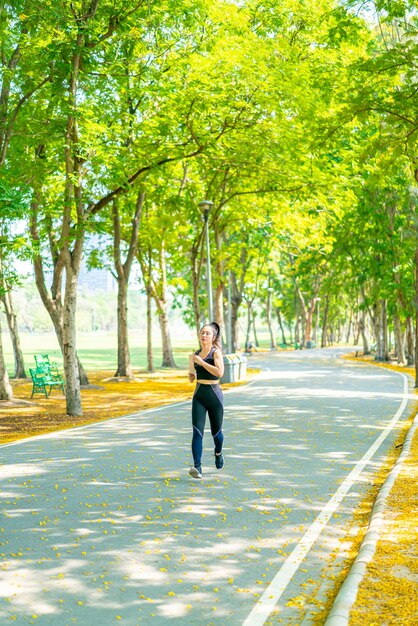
[(206, 335)]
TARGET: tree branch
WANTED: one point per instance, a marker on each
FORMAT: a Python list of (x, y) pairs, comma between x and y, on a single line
[(9, 129), (136, 223), (116, 241), (100, 204), (114, 23)]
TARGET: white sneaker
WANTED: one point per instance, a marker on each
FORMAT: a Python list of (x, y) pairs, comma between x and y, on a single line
[(195, 472)]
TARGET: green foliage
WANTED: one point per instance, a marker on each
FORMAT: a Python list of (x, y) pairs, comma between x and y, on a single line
[(296, 119), (13, 202)]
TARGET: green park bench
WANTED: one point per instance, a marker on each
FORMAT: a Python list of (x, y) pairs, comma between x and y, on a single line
[(43, 362), (46, 374)]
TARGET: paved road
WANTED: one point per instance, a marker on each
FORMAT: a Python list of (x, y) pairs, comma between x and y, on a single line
[(103, 525)]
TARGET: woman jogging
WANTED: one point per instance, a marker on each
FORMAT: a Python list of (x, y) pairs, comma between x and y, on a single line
[(207, 398)]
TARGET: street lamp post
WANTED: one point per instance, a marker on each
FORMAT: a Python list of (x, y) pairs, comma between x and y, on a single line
[(229, 334), (205, 207)]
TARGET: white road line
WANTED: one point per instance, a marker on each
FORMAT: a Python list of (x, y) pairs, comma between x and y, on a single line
[(278, 585)]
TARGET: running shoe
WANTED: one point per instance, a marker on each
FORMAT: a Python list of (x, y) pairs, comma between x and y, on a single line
[(219, 460), (196, 472)]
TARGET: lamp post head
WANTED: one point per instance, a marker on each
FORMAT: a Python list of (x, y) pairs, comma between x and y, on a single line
[(205, 206)]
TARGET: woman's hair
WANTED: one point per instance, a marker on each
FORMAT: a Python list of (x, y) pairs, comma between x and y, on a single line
[(217, 339)]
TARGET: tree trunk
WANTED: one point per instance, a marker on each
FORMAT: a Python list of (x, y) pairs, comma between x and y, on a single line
[(123, 271), (297, 330), (307, 313), (376, 320), (57, 317), (147, 278), (82, 374), (14, 334), (168, 359), (236, 300), (279, 319), (347, 337), (339, 332), (73, 404), (6, 391), (219, 306), (238, 286), (52, 302), (308, 325), (124, 359), (254, 328), (235, 344), (73, 232), (249, 322), (356, 332), (303, 332), (273, 345), (324, 334), (384, 323), (150, 361), (410, 350), (363, 331), (399, 342), (159, 294), (289, 323)]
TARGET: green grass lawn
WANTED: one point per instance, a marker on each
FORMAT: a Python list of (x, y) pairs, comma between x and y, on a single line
[(98, 351)]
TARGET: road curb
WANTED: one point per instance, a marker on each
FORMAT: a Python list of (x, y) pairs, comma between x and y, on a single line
[(339, 614)]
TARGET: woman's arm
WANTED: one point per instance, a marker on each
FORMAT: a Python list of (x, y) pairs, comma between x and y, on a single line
[(192, 373), (217, 369), (219, 362)]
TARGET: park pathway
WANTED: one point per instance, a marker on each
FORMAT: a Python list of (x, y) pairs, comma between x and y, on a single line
[(103, 525)]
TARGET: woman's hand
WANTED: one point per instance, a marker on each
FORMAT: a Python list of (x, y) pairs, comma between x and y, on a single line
[(197, 359), (192, 376)]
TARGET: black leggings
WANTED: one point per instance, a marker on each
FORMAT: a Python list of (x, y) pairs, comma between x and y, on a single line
[(206, 399)]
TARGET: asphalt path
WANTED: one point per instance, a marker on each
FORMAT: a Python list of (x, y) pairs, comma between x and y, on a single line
[(103, 525)]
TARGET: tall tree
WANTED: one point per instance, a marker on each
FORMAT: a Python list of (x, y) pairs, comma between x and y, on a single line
[(6, 391), (123, 271), (12, 246)]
